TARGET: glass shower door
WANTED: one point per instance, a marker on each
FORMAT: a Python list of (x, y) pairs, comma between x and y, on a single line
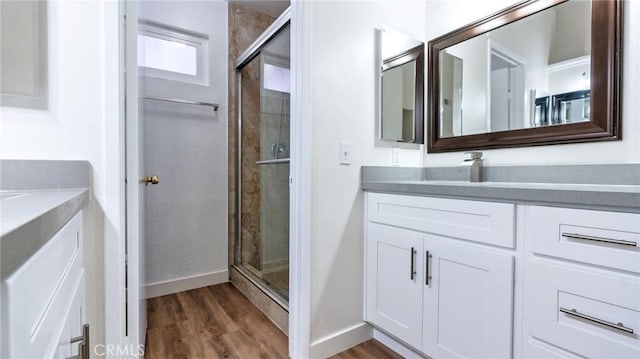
[(264, 92)]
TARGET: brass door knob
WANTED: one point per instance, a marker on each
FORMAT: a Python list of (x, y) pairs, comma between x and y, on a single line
[(153, 180)]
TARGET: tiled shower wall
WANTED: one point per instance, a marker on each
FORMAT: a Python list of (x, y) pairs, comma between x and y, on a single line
[(250, 190), (245, 25)]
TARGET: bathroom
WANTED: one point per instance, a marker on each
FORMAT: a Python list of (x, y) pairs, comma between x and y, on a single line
[(334, 106)]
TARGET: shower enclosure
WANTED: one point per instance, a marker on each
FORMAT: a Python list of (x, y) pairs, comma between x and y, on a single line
[(262, 196)]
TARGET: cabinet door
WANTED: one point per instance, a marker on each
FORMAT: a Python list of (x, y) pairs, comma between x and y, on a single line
[(38, 295), (467, 301), (72, 323), (394, 283)]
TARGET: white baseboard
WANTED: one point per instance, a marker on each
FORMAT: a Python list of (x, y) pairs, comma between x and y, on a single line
[(340, 341), (395, 345), (158, 289)]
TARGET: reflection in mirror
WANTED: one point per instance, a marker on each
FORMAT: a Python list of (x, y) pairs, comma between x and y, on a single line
[(23, 54), (538, 72), (507, 79), (401, 87), (398, 102), (451, 95)]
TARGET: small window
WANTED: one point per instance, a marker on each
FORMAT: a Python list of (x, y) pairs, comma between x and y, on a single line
[(171, 54), (167, 55), (277, 78)]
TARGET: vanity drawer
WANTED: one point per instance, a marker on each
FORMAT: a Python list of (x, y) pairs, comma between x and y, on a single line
[(477, 221), (591, 314), (39, 292), (596, 237)]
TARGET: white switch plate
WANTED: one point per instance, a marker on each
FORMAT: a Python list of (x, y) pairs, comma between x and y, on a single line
[(395, 156), (345, 153)]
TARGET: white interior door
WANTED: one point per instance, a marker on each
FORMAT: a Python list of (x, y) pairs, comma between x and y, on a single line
[(183, 57), (135, 311)]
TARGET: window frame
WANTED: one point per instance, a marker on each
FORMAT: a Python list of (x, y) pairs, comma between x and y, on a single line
[(167, 33)]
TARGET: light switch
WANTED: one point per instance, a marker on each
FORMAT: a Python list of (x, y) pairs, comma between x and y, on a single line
[(395, 156), (345, 153)]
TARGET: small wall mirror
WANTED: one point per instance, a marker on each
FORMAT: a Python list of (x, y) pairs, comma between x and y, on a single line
[(401, 84), (539, 72), (23, 54)]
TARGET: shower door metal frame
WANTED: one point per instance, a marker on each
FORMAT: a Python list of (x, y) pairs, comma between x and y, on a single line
[(252, 52)]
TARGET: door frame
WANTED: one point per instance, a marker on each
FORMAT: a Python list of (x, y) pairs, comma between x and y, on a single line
[(132, 319), (518, 81), (115, 220), (300, 184), (300, 187)]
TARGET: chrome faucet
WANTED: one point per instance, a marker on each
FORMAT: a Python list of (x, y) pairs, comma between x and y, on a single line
[(473, 166)]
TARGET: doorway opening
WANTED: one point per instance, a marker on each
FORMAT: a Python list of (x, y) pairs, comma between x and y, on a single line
[(506, 82)]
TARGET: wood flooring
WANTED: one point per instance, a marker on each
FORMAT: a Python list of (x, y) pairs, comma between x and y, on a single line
[(212, 322), (220, 322), (371, 349)]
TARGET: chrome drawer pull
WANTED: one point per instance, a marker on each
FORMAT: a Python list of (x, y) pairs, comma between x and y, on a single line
[(618, 326), (427, 272), (599, 239), (413, 261), (83, 344)]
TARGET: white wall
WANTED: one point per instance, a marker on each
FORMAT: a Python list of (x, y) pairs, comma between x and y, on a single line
[(81, 123), (72, 126), (573, 32), (186, 146), (344, 90), (438, 21)]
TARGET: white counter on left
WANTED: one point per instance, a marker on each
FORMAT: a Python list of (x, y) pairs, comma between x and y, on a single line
[(30, 218)]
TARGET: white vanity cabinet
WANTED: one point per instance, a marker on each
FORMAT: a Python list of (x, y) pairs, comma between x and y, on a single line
[(453, 278), (582, 283), (44, 298), (431, 279)]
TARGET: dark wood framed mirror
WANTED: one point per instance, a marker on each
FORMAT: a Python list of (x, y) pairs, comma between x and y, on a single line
[(537, 73)]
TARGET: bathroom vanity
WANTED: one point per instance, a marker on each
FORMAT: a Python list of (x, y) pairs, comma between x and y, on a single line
[(502, 268), (41, 244)]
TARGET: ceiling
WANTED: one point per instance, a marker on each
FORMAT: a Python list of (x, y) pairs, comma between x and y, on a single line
[(270, 7)]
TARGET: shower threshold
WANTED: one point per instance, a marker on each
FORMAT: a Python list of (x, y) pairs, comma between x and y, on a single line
[(262, 282)]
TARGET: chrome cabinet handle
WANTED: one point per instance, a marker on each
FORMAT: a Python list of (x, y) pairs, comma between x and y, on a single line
[(83, 344), (618, 326), (599, 239), (427, 272), (413, 266)]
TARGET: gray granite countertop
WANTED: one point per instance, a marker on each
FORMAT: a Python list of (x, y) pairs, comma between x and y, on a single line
[(592, 192), (29, 218), (20, 208), (37, 198)]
